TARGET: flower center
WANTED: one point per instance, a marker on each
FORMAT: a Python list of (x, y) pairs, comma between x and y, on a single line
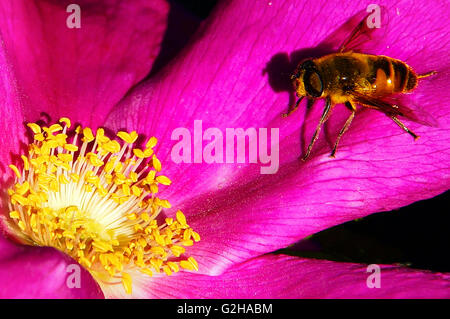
[(95, 200)]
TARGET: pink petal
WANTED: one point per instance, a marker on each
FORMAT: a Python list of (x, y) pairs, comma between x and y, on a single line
[(11, 136), (11, 121), (44, 273), (240, 213), (280, 276), (80, 73), (7, 248)]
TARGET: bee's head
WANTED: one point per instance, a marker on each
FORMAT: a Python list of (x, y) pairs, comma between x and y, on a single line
[(307, 80)]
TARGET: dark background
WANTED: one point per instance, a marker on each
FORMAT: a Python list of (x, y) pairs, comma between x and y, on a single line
[(417, 235)]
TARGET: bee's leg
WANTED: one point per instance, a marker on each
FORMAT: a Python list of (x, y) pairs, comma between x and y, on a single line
[(421, 76), (310, 103), (325, 115), (349, 105), (292, 109), (388, 109), (407, 130)]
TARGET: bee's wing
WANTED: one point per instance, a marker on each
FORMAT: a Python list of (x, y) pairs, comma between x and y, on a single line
[(396, 105), (411, 109), (357, 34)]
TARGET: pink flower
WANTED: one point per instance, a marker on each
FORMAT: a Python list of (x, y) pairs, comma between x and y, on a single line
[(241, 215)]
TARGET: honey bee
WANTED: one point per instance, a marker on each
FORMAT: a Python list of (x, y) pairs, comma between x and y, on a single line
[(351, 78)]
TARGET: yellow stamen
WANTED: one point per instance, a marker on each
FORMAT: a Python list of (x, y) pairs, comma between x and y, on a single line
[(92, 201), (129, 138), (180, 218), (88, 136), (15, 170), (66, 121), (151, 142), (156, 163), (163, 180), (146, 271), (35, 128), (26, 164), (14, 214), (126, 280)]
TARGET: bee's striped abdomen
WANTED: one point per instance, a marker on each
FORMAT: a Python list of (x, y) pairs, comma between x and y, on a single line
[(383, 64), (405, 78), (390, 76)]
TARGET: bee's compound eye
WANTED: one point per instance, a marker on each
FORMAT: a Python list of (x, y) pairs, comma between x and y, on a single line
[(316, 82), (313, 83)]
